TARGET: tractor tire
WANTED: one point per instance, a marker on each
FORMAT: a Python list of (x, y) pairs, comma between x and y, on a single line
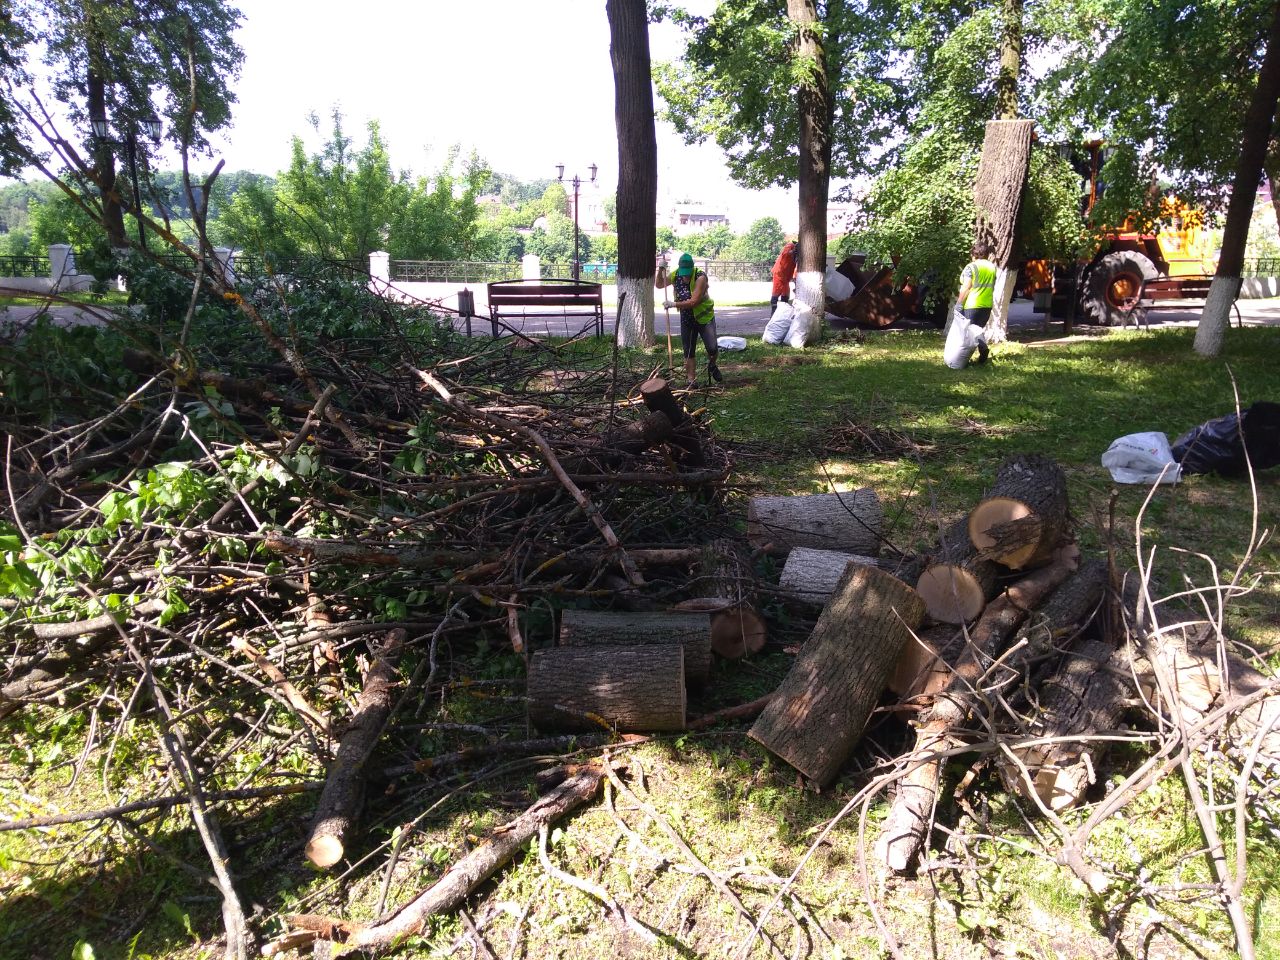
[(1114, 279)]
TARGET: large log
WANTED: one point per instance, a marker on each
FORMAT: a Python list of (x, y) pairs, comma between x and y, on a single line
[(692, 631), (939, 728), (958, 581), (726, 581), (822, 706), (1023, 518), (657, 396), (631, 689), (812, 575), (344, 786), (852, 522)]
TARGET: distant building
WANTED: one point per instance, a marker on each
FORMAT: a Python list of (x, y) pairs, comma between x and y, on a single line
[(692, 218), (591, 215)]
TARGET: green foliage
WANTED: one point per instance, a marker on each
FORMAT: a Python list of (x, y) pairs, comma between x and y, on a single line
[(760, 243), (711, 243), (1050, 224), (555, 244)]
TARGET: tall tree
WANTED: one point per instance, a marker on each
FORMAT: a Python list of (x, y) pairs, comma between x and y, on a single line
[(637, 201), (1257, 133)]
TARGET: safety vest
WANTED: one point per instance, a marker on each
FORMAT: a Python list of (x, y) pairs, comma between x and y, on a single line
[(704, 311), (982, 285)]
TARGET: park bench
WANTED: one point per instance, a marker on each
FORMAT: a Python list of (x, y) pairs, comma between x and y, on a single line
[(573, 298), (1168, 288)]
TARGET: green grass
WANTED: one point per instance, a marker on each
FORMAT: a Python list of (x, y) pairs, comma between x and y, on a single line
[(111, 298)]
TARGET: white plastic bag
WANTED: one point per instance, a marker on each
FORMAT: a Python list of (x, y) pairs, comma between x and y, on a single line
[(731, 343), (962, 339), (1142, 458), (804, 326), (839, 287), (775, 331)]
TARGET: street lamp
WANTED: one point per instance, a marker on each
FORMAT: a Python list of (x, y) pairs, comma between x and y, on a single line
[(151, 129), (577, 182)]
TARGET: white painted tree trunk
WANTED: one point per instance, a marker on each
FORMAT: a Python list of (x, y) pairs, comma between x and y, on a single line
[(811, 291), (998, 324), (635, 315), (1216, 316)]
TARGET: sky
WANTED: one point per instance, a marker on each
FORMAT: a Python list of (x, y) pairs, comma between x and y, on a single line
[(527, 84)]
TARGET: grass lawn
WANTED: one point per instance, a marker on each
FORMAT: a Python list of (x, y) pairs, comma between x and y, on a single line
[(880, 411), (111, 298)]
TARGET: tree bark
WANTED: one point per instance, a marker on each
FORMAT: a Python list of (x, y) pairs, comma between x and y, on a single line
[(822, 706), (630, 689), (958, 581), (600, 628), (727, 580), (1023, 518), (814, 173), (637, 200), (104, 160), (1010, 61), (1235, 233), (850, 521), (997, 194), (344, 786), (812, 575)]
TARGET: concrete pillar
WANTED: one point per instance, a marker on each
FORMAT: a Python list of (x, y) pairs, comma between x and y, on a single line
[(380, 266), (226, 258), (62, 263), (531, 267)]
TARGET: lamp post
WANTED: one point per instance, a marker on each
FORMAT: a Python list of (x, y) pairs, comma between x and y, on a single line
[(151, 128), (577, 182)]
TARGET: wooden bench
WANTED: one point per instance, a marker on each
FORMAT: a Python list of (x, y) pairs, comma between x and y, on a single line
[(1168, 288), (575, 298)]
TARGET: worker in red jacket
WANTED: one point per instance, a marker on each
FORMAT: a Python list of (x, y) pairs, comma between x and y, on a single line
[(784, 271)]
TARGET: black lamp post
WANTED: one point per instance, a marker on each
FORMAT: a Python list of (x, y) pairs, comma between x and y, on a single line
[(151, 129), (577, 182)]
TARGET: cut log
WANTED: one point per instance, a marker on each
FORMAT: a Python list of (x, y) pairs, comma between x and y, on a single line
[(812, 575), (692, 631), (1055, 625), (344, 786), (938, 730), (630, 689), (657, 396), (958, 582), (461, 879), (821, 708), (726, 581), (850, 522), (925, 664), (1024, 517)]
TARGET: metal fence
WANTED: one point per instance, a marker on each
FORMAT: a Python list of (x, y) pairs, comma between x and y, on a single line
[(456, 271), (24, 267), (1261, 267)]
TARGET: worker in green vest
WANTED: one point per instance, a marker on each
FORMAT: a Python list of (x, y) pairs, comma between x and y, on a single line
[(978, 285), (697, 314)]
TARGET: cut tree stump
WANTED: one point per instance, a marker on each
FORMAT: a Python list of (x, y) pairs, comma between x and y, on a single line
[(958, 582), (657, 396), (851, 522), (343, 792), (820, 709), (632, 689), (598, 628), (1024, 517), (726, 581), (811, 575)]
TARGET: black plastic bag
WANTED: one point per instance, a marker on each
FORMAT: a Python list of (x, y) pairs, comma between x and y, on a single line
[(1219, 446)]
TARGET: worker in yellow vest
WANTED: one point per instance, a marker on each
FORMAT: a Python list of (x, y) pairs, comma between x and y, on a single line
[(973, 309)]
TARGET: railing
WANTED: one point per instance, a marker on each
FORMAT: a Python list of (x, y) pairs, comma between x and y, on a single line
[(742, 270), (453, 271), (1261, 267), (14, 266)]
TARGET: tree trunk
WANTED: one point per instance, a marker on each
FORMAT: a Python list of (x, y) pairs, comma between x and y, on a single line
[(727, 580), (631, 689), (1235, 233), (599, 628), (812, 575), (814, 173), (997, 194), (104, 160), (849, 522), (657, 396), (637, 200), (821, 708), (938, 728), (958, 582), (344, 786), (1010, 61), (1022, 520)]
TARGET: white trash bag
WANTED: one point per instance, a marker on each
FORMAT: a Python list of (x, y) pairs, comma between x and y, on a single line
[(804, 326), (1142, 458), (731, 343), (838, 286), (962, 339), (775, 331)]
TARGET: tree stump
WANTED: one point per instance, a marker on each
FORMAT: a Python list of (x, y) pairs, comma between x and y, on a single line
[(600, 628), (958, 582), (630, 689), (820, 709), (850, 522), (657, 396), (1022, 520), (632, 439), (812, 575), (726, 582)]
